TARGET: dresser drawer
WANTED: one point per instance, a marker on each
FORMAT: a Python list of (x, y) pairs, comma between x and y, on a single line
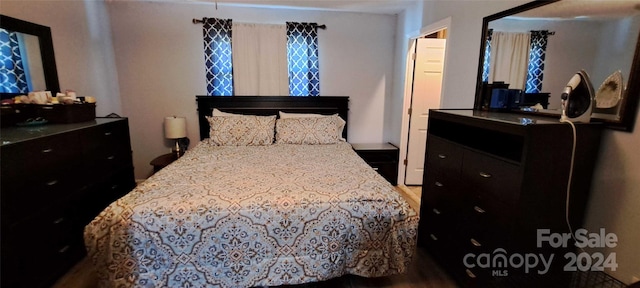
[(377, 156), (440, 190), (107, 137), (107, 148), (108, 160), (47, 174), (490, 178), (39, 156), (490, 217), (388, 170), (97, 197), (48, 246), (22, 197), (443, 156)]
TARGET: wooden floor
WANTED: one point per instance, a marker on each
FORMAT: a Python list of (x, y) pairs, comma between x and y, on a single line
[(423, 273)]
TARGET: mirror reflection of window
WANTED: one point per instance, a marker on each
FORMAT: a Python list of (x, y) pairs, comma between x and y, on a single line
[(516, 59), (21, 67)]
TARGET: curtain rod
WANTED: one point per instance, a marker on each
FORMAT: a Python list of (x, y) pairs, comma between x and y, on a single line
[(200, 21), (548, 32)]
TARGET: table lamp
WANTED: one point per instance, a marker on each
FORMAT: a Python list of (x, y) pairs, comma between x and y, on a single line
[(175, 128)]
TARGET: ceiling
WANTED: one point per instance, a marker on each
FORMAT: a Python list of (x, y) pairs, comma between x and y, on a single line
[(364, 6), (560, 9), (598, 9)]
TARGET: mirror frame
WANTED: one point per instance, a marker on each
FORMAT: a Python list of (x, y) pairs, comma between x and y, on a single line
[(629, 105), (46, 50)]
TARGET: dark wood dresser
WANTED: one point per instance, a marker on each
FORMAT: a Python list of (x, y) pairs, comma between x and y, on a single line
[(55, 179), (491, 181)]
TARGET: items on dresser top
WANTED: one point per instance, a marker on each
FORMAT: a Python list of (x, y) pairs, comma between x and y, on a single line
[(491, 181), (383, 157), (55, 179)]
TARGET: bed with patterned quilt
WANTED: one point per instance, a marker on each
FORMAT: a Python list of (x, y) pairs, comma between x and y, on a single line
[(261, 202)]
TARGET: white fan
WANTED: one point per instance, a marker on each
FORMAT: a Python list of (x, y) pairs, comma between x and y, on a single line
[(577, 99)]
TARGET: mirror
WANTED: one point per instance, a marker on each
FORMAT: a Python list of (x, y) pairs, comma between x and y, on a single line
[(600, 37), (33, 45)]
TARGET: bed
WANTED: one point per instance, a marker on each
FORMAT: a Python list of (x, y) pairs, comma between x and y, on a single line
[(256, 215)]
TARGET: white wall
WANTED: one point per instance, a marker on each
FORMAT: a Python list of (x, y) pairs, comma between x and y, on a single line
[(161, 65), (83, 48), (409, 24)]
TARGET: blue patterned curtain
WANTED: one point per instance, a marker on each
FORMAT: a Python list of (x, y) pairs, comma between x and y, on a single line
[(487, 57), (302, 52), (14, 78), (537, 54), (217, 56)]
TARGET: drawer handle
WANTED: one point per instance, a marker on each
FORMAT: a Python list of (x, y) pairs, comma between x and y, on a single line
[(107, 133), (114, 187), (433, 237), (478, 209), (470, 274), (64, 249), (375, 168), (53, 182), (439, 184), (474, 242), (484, 175), (436, 211), (47, 108), (48, 150), (111, 157), (59, 220), (442, 156)]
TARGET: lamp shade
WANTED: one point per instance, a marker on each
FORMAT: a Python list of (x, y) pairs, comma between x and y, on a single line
[(175, 127)]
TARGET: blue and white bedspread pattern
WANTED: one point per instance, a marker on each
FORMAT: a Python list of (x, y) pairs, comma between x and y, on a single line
[(223, 216)]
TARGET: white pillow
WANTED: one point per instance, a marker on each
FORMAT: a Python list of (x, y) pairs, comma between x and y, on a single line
[(217, 112)]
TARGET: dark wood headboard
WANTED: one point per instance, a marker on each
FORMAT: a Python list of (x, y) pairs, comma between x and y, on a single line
[(270, 105)]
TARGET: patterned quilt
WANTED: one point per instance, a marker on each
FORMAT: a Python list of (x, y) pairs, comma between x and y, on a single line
[(243, 216)]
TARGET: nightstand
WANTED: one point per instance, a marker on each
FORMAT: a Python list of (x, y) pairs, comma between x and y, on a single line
[(162, 161), (383, 157)]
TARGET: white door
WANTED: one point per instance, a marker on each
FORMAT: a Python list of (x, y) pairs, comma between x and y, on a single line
[(427, 85)]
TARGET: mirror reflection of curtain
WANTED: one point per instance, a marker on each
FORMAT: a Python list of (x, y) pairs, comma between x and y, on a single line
[(537, 55), (509, 58), (260, 59), (12, 64), (487, 53)]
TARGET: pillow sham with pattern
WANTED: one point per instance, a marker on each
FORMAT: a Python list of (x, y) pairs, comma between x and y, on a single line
[(309, 130), (241, 130), (341, 121)]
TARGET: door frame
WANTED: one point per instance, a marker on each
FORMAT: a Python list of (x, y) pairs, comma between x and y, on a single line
[(408, 87)]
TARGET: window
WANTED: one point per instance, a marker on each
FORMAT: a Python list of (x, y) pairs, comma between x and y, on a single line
[(302, 55)]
